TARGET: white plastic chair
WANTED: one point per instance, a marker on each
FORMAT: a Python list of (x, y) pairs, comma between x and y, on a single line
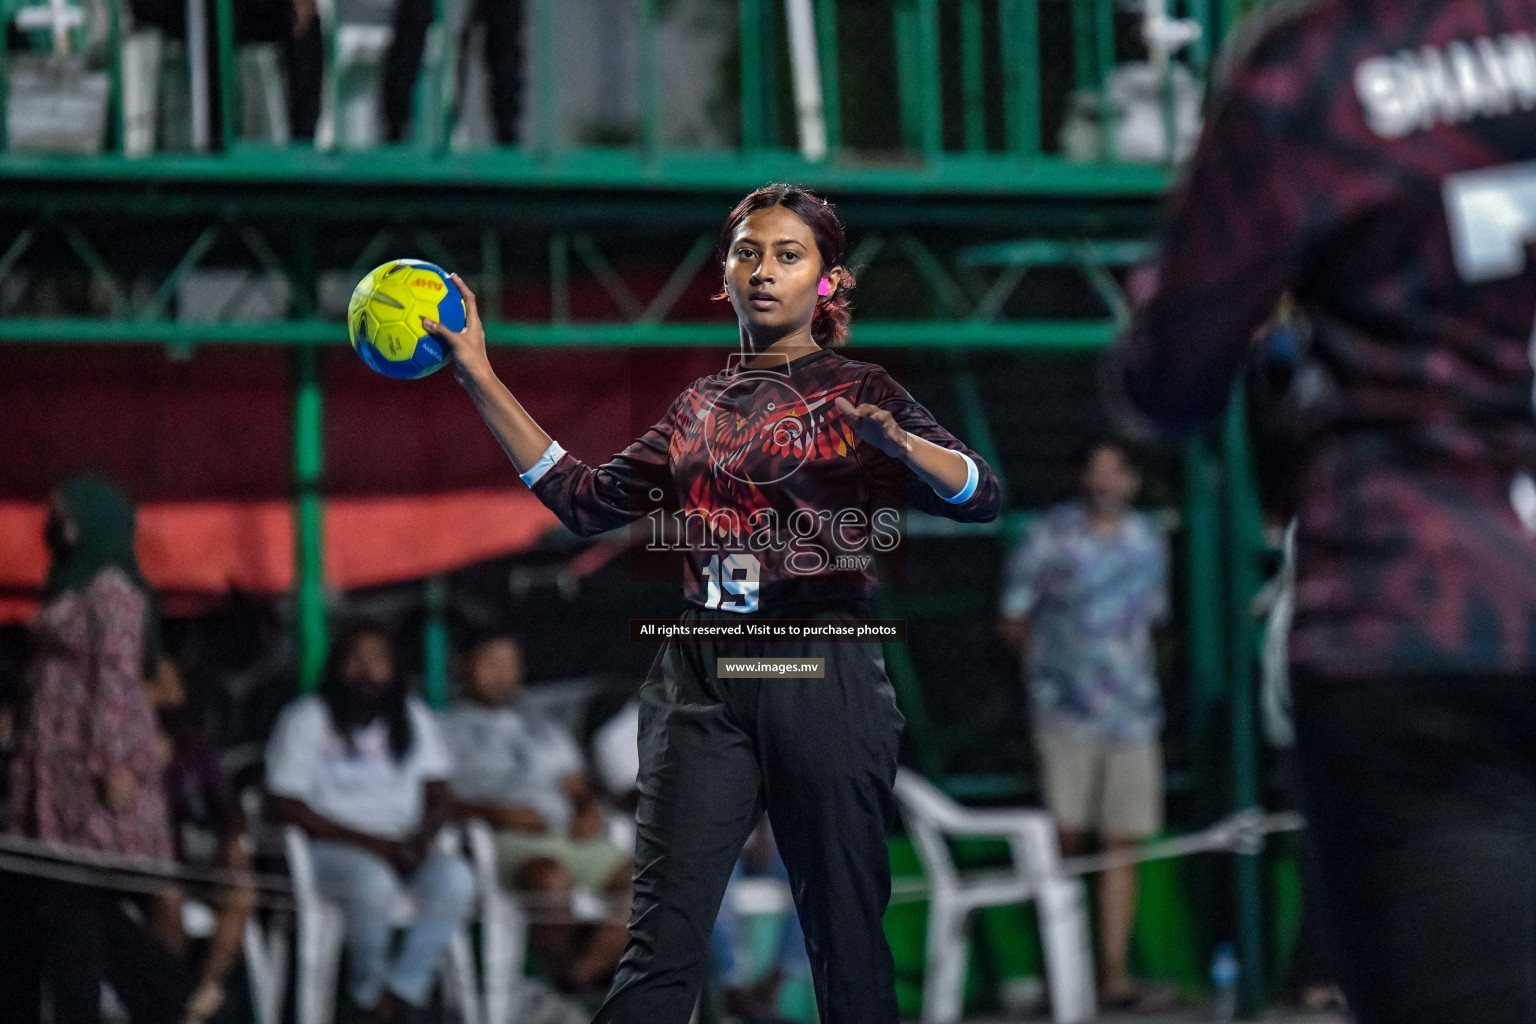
[(266, 948), (264, 88), (321, 925), (358, 35), (344, 123), (350, 44), (266, 957), (266, 962), (504, 927), (1036, 875)]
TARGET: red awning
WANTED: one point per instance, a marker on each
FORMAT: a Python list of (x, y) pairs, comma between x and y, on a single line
[(414, 483), (209, 548)]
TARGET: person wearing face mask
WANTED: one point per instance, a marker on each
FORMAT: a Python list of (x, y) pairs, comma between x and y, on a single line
[(362, 768), (86, 773)]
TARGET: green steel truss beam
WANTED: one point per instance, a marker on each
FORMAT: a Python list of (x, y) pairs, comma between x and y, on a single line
[(391, 214), (1044, 251), (1060, 334), (139, 260)]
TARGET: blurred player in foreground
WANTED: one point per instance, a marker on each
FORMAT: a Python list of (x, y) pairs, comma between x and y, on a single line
[(784, 474), (1377, 158)]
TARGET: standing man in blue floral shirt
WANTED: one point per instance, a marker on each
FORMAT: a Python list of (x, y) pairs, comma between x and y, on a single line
[(1081, 594)]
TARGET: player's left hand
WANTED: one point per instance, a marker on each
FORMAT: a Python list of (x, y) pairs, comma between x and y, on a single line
[(877, 426)]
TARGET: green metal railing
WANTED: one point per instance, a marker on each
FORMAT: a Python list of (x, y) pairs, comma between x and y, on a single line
[(969, 304), (971, 156), (947, 56)]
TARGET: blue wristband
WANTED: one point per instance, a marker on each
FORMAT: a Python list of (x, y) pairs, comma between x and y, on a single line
[(546, 462), (972, 477)]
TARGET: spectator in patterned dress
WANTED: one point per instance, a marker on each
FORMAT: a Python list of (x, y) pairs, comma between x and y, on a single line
[(1081, 594), (86, 774)]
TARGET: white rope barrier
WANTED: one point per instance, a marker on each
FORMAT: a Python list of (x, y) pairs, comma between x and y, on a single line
[(96, 877), (1244, 833), (153, 877), (140, 875)]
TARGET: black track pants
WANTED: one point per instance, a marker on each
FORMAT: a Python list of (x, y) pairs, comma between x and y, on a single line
[(820, 754), (85, 937), (1420, 796)]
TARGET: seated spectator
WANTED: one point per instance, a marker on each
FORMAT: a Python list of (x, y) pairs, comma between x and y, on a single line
[(755, 1000), (523, 775), (361, 767), (207, 830)]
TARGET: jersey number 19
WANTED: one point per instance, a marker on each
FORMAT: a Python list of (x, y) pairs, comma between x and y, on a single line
[(723, 581)]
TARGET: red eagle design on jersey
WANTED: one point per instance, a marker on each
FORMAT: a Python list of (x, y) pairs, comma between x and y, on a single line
[(770, 445), (757, 430)]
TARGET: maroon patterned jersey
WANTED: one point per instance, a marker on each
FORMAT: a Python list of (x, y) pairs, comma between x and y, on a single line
[(1377, 159), (762, 487)]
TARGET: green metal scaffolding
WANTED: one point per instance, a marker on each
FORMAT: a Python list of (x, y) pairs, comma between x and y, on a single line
[(971, 157)]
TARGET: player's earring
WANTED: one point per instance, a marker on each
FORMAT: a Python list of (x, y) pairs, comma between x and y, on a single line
[(825, 288)]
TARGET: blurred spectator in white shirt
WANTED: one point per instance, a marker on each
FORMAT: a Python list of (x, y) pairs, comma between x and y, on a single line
[(523, 774), (361, 767)]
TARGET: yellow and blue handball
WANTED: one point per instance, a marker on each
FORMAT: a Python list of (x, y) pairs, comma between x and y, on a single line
[(385, 314)]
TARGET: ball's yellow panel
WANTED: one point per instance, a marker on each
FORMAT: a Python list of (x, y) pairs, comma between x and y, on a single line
[(390, 301), (358, 305), (395, 341), (425, 286)]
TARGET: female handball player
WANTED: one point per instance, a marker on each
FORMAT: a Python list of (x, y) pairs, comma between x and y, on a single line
[(784, 476)]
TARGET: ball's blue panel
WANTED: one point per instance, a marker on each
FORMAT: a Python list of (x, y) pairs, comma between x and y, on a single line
[(376, 361), (429, 357), (451, 312), (429, 351)]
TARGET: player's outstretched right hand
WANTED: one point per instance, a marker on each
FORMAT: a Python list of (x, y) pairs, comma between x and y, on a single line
[(470, 361)]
